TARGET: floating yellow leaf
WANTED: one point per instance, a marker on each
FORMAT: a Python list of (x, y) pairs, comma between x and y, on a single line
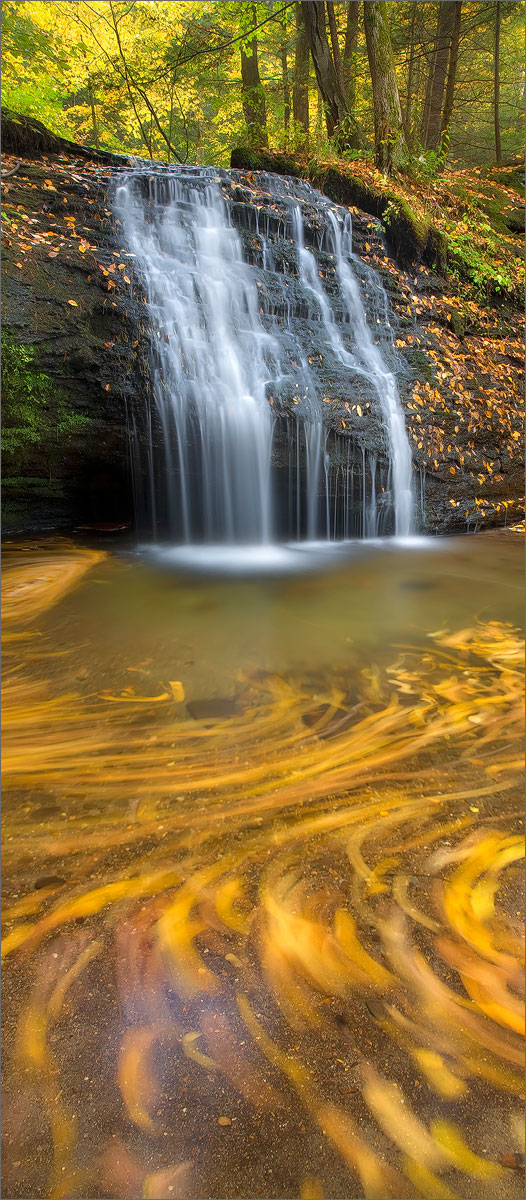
[(312, 1188), (399, 1123), (448, 1138), (137, 1083), (428, 1184), (440, 1077)]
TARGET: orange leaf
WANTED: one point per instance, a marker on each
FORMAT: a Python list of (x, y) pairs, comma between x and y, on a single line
[(73, 303)]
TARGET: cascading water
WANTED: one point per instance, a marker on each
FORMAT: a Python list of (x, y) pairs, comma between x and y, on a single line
[(212, 364), (250, 328), (384, 381)]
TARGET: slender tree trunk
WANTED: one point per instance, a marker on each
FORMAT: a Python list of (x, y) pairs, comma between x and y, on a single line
[(253, 96), (326, 78), (336, 53), (452, 71), (410, 77), (341, 126), (350, 52), (496, 86), (285, 86), (427, 98), (170, 127), (94, 121), (437, 76), (319, 120), (389, 136), (300, 82)]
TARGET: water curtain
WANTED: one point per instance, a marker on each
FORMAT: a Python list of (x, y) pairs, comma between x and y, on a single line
[(260, 316)]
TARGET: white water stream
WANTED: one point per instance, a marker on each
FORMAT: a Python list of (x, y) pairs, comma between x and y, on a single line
[(230, 355)]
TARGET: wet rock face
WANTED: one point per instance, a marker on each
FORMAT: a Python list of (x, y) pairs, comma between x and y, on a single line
[(63, 243), (65, 299), (261, 214)]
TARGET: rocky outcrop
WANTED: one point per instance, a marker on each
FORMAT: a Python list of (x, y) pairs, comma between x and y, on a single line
[(71, 295), (460, 369), (67, 300)]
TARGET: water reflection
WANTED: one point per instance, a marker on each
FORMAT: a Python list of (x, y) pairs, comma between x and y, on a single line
[(262, 885)]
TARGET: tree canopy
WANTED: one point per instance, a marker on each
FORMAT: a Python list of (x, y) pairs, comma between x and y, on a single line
[(187, 81)]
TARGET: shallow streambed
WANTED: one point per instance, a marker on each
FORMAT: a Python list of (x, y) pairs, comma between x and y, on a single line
[(262, 889)]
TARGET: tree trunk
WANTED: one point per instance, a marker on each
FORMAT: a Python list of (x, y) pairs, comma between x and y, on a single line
[(496, 86), (254, 107), (437, 76), (452, 72), (410, 78), (319, 120), (300, 82), (349, 53), (94, 121), (389, 137), (341, 126), (285, 86), (336, 54)]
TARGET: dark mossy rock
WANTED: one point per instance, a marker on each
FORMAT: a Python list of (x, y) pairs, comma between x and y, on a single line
[(245, 159), (407, 235), (81, 333), (28, 138), (409, 238), (348, 189)]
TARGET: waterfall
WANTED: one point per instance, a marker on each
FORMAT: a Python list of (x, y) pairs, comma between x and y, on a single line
[(255, 312), (384, 381)]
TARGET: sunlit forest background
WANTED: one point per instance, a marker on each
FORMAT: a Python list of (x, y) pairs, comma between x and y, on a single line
[(165, 80)]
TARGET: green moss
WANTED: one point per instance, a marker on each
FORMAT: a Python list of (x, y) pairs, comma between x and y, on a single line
[(32, 485), (345, 188), (472, 255), (505, 214), (406, 232), (418, 360), (511, 177), (246, 159), (36, 418)]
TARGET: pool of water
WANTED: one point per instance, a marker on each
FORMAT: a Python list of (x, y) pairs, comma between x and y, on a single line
[(262, 829)]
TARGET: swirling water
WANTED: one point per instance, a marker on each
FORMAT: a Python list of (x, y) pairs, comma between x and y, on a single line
[(261, 876)]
